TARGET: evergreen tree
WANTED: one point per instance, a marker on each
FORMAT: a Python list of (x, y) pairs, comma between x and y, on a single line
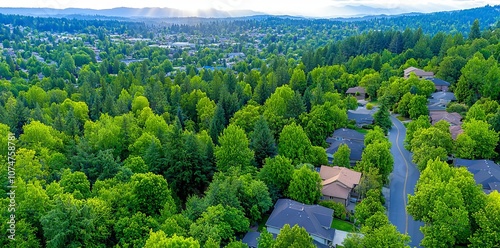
[(262, 142), (382, 119), (474, 33), (217, 124)]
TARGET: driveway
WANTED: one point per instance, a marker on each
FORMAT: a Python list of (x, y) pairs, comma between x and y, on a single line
[(402, 183)]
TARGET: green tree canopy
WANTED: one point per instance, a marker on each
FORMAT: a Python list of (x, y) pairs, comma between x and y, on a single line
[(305, 186), (233, 150), (293, 237), (341, 156), (294, 144)]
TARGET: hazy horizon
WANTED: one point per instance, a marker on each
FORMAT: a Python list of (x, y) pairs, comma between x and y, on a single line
[(313, 8)]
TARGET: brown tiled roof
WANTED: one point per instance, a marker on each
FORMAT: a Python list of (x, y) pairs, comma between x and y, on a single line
[(453, 118), (338, 181), (455, 131)]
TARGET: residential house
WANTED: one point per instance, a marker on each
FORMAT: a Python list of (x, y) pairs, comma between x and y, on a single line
[(439, 100), (455, 131), (486, 173), (250, 239), (440, 84), (316, 219), (361, 116), (352, 138), (358, 92), (455, 119), (360, 119), (338, 183), (418, 72)]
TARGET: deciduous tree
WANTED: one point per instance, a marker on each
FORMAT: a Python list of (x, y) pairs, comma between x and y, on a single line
[(305, 186), (233, 150)]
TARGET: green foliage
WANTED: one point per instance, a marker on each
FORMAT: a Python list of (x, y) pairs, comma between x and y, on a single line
[(233, 150), (262, 141), (218, 123), (322, 121), (86, 119), (473, 77), (276, 108), (476, 112), (418, 107), (370, 179), (159, 240), (265, 240), (368, 206), (339, 210), (37, 135), (241, 192), (414, 126), (318, 156), (293, 237), (219, 223), (375, 135), (139, 103), (305, 186), (246, 117), (341, 156), (298, 80), (404, 104), (75, 183), (382, 119), (445, 199), (474, 30), (150, 192), (277, 173), (377, 155), (488, 232), (72, 223), (294, 144), (477, 141), (429, 143), (133, 231)]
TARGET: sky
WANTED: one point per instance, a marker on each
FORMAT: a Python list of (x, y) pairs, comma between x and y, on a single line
[(290, 7)]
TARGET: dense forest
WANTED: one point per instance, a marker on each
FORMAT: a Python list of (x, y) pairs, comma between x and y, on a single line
[(120, 142)]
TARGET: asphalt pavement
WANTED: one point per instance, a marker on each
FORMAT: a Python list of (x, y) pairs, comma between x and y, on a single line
[(402, 183)]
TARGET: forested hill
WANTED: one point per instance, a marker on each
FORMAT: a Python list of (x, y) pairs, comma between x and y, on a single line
[(458, 21), (186, 136)]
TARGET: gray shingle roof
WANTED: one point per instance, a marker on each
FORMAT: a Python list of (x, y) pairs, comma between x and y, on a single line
[(439, 82), (444, 95), (349, 134), (486, 172), (356, 147), (360, 119), (314, 218), (250, 239)]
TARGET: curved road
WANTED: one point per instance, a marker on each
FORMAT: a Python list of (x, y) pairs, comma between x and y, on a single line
[(402, 183)]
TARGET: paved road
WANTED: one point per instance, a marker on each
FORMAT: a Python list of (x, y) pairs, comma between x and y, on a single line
[(403, 180)]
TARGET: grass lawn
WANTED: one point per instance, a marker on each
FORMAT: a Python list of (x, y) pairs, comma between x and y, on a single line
[(361, 130), (343, 225), (401, 118)]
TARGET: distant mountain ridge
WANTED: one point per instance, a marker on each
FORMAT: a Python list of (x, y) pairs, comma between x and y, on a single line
[(345, 13), (125, 12)]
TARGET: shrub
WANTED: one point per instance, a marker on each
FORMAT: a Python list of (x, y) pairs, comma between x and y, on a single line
[(369, 106), (456, 107), (339, 210)]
